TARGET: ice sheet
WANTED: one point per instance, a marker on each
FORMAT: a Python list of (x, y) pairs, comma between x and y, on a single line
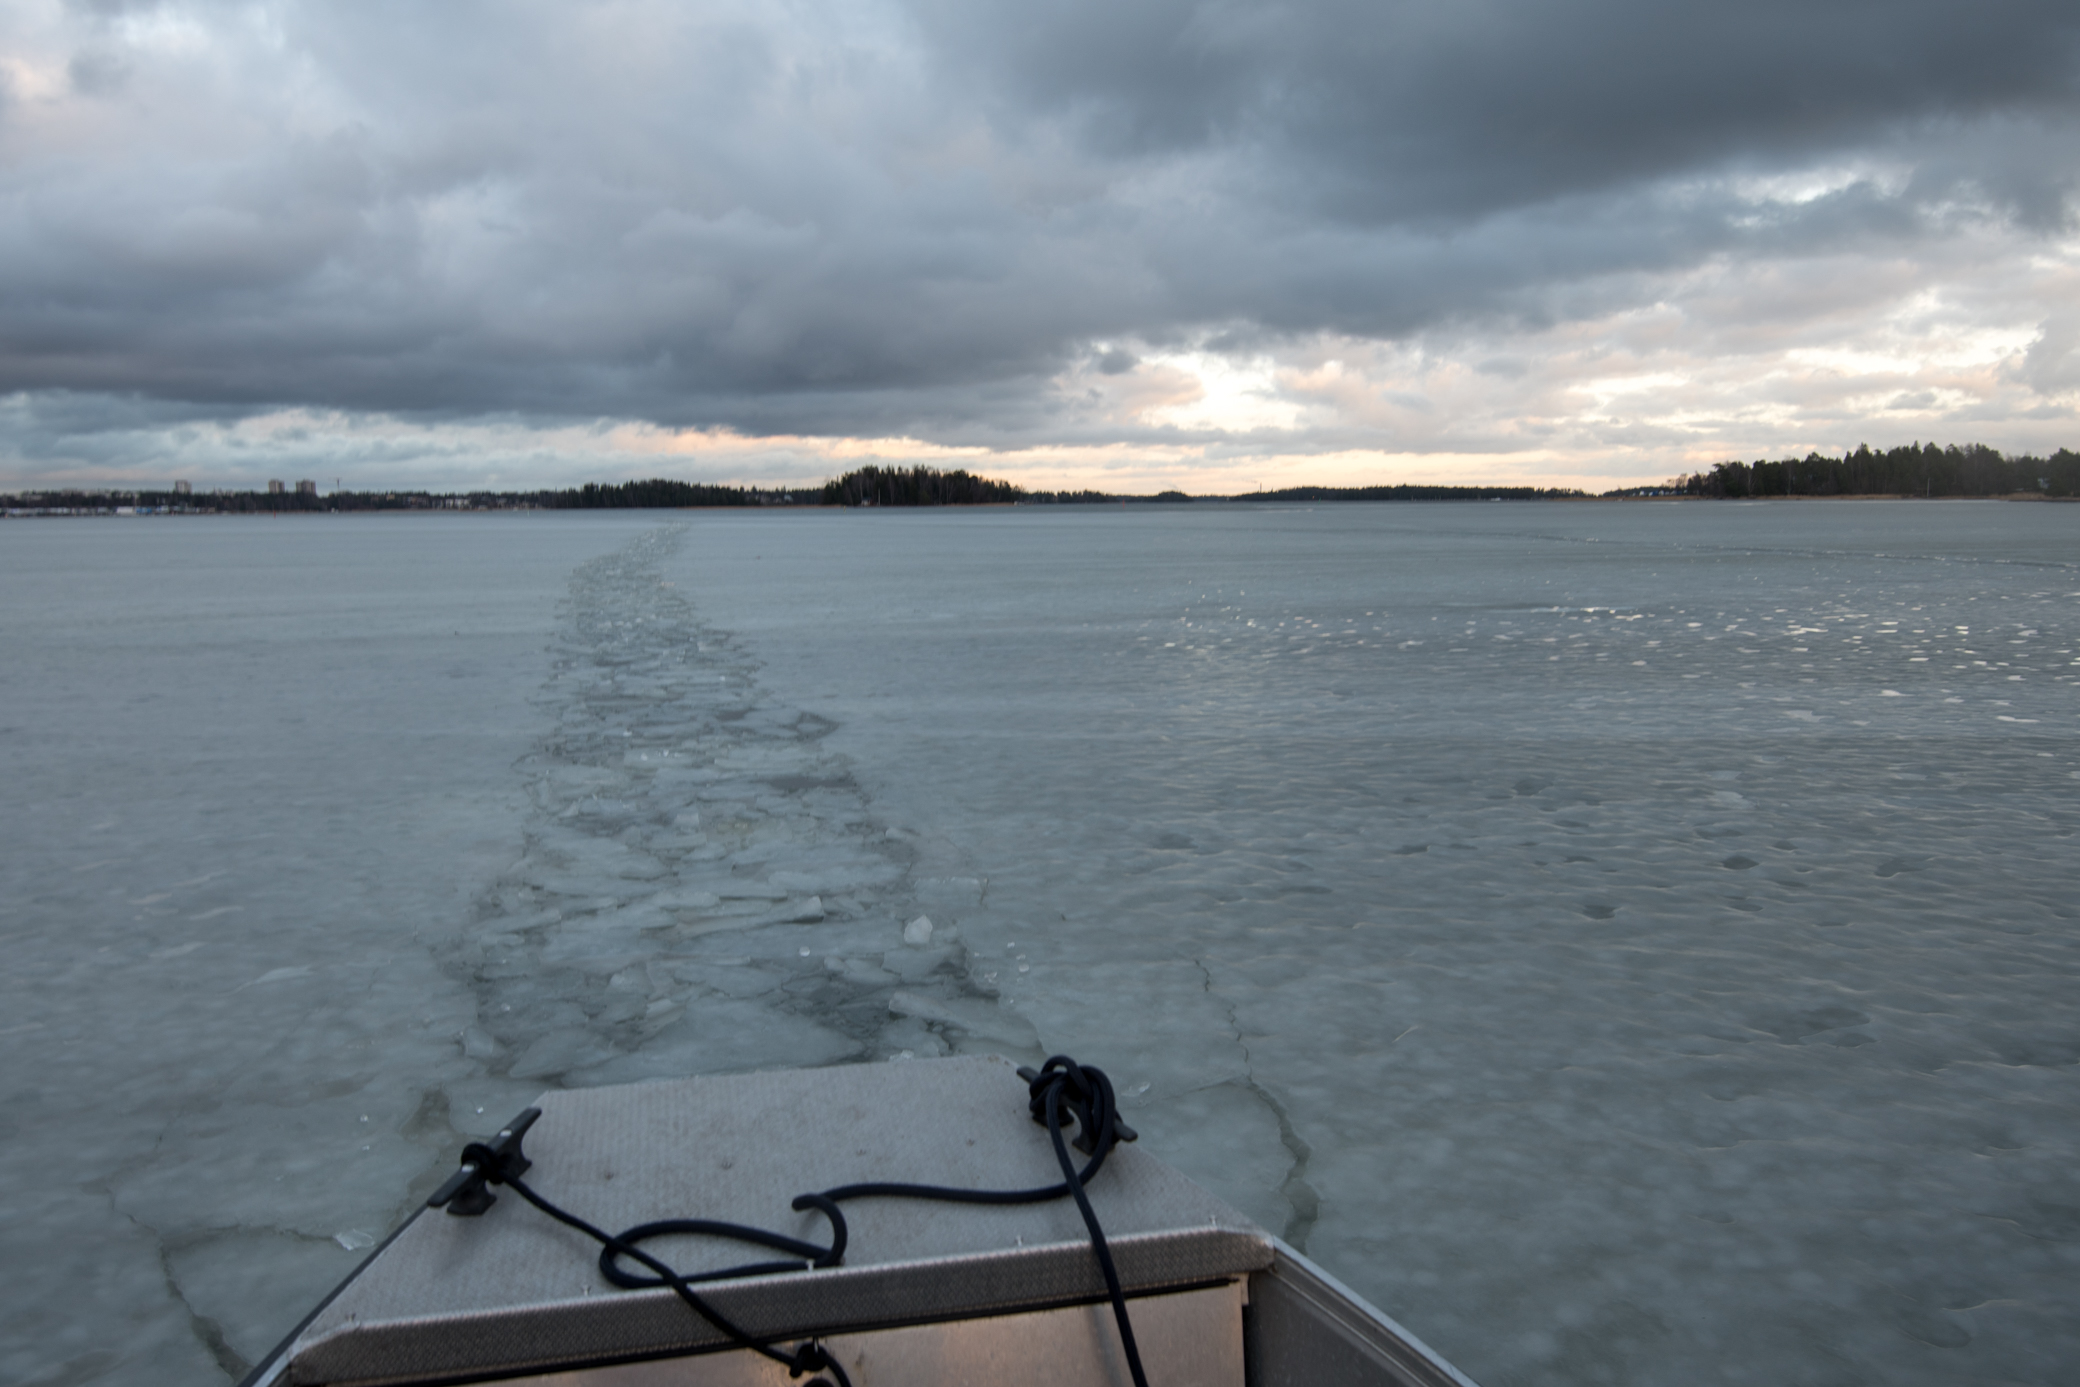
[(257, 775), (1631, 944)]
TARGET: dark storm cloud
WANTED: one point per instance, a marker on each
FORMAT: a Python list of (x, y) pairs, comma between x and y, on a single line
[(912, 220), (1436, 112)]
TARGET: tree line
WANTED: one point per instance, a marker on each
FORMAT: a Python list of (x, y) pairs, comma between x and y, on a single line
[(1917, 469), (660, 493), (656, 493), (267, 503), (1416, 493), (918, 486)]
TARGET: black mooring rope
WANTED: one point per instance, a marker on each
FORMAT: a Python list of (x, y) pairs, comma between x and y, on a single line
[(808, 1357), (1060, 1082)]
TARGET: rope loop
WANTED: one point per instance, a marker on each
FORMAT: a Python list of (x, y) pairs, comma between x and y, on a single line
[(834, 1255), (802, 1255)]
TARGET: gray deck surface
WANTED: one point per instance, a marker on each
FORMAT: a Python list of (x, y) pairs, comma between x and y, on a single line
[(515, 1291)]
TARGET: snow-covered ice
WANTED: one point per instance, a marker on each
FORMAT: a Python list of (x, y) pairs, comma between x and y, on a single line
[(1630, 943)]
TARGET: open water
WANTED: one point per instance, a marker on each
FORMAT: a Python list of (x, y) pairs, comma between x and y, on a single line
[(1629, 943)]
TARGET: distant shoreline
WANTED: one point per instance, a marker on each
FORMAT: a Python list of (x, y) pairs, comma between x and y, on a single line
[(1915, 472), (10, 509)]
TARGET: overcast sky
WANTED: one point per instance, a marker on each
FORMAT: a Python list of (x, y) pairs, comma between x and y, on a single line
[(1112, 243)]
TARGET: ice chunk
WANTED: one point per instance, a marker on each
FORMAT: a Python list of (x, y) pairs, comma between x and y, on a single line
[(721, 1034), (914, 965), (685, 898), (847, 874), (978, 1018), (909, 1036), (918, 931), (806, 912), (480, 1044), (563, 1049), (865, 972)]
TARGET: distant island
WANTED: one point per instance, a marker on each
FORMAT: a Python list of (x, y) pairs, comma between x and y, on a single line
[(1914, 470), (918, 486)]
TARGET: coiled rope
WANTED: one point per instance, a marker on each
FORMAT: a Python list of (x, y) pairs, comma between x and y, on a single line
[(1060, 1084)]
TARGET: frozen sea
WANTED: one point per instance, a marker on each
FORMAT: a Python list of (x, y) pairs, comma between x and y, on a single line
[(1629, 943)]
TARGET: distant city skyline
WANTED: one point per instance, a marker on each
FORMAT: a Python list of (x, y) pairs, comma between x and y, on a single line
[(1125, 248)]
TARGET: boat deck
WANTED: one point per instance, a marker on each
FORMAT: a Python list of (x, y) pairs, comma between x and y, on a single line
[(928, 1292)]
